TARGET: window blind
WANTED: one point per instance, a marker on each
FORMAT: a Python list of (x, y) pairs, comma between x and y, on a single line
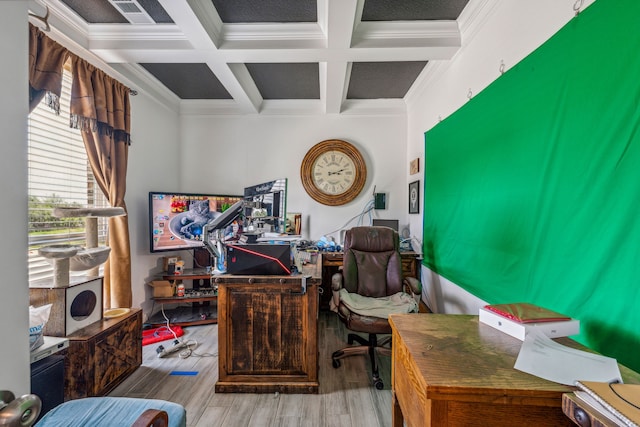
[(58, 175)]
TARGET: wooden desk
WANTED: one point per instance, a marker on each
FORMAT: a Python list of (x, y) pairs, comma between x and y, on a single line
[(451, 370)]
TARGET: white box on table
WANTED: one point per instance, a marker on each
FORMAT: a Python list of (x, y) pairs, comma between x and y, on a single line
[(563, 328)]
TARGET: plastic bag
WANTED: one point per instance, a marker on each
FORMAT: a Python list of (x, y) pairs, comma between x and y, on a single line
[(38, 317)]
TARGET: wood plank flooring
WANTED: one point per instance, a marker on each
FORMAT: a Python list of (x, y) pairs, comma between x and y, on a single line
[(346, 397)]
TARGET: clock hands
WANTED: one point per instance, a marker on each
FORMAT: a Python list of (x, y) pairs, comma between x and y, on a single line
[(335, 173)]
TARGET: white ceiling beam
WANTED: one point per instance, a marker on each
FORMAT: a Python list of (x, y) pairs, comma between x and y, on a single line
[(407, 34), (340, 16), (280, 55), (333, 85)]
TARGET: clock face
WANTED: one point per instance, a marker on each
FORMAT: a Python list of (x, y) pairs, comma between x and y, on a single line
[(333, 172)]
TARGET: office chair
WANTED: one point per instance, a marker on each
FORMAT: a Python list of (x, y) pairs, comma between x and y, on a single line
[(369, 287)]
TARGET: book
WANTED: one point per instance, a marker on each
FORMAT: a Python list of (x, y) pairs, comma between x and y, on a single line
[(621, 400), (519, 330), (524, 312), (596, 408)]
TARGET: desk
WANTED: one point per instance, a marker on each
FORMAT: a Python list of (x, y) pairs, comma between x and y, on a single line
[(451, 370)]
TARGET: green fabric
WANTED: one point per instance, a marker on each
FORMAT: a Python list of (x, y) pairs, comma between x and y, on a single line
[(532, 188)]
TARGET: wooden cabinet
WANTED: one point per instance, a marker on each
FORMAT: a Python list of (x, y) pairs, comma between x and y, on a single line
[(101, 355), (268, 334), (332, 261)]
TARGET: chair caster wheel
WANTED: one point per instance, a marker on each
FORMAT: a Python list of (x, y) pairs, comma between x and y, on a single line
[(335, 363), (379, 384)]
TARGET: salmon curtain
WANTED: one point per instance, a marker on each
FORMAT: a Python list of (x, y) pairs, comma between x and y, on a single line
[(100, 110)]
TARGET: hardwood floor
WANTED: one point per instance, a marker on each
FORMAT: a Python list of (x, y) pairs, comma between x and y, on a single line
[(346, 397)]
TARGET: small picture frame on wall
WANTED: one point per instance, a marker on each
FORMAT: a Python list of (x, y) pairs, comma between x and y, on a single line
[(414, 166), (414, 197)]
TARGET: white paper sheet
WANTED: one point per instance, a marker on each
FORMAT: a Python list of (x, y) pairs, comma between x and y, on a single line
[(545, 358)]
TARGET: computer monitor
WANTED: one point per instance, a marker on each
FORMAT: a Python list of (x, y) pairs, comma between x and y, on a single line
[(267, 203), (176, 220), (391, 223)]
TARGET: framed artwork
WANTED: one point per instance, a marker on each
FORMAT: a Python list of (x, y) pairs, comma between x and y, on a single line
[(414, 197), (414, 166)]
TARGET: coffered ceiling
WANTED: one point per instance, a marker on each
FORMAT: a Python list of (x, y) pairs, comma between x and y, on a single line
[(266, 56)]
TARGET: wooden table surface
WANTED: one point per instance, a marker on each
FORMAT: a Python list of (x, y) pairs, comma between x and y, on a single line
[(452, 370)]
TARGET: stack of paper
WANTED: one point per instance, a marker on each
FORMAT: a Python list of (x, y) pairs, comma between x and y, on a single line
[(517, 319)]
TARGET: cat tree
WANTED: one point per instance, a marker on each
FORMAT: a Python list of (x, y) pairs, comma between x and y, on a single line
[(66, 258)]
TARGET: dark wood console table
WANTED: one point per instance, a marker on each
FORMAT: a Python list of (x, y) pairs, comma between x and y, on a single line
[(267, 334), (451, 370)]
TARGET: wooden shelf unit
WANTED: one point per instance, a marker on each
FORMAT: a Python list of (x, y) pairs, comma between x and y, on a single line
[(199, 304)]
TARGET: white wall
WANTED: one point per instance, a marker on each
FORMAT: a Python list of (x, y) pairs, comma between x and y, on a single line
[(226, 154), (505, 31), (154, 163), (14, 313)]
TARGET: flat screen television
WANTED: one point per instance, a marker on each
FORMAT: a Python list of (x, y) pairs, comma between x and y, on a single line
[(176, 220)]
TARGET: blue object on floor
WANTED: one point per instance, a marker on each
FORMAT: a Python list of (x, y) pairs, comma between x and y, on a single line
[(109, 412), (186, 373)]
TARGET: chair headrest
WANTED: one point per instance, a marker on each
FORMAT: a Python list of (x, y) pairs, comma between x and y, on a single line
[(371, 239)]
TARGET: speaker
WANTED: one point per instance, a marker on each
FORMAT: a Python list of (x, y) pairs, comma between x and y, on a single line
[(47, 382)]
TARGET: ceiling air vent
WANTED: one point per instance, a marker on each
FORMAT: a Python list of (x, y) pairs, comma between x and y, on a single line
[(132, 11)]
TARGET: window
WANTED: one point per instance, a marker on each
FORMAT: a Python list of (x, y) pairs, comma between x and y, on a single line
[(59, 175)]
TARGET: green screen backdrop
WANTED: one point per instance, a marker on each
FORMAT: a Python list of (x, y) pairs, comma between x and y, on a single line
[(532, 188)]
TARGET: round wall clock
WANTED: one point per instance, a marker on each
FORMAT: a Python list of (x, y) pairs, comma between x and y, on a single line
[(333, 172)]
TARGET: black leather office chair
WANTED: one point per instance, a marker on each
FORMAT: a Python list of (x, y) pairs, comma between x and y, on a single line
[(363, 290)]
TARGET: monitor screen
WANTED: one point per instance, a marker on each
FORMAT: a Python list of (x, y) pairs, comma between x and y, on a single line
[(176, 220), (267, 202), (391, 223)]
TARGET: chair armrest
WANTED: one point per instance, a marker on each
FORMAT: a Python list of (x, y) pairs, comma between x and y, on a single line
[(413, 287), (152, 418)]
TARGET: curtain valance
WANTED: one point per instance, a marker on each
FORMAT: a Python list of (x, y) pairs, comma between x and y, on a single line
[(98, 102), (46, 59)]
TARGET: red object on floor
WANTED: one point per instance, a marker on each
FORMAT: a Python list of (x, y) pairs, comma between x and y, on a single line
[(161, 333)]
